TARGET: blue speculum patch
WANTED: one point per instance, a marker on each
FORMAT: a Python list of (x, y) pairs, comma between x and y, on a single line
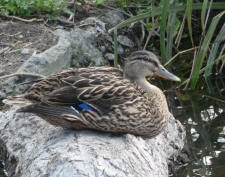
[(85, 107)]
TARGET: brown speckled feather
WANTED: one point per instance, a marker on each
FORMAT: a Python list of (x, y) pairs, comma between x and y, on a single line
[(103, 98), (101, 87), (120, 106)]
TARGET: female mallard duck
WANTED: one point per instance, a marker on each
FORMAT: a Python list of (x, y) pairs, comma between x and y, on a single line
[(104, 98)]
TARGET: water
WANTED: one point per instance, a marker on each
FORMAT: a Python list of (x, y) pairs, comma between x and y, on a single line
[(202, 113), (2, 173)]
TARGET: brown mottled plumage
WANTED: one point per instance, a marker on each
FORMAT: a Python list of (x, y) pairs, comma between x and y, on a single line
[(115, 101)]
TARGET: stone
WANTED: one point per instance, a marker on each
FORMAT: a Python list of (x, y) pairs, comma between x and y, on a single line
[(124, 40), (94, 22), (20, 36), (83, 50), (102, 49), (112, 17), (36, 148), (109, 56), (120, 50), (26, 51)]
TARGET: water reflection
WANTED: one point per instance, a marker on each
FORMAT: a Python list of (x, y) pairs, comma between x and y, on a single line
[(2, 172), (203, 115)]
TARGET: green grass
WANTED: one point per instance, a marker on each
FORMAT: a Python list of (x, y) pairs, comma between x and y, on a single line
[(31, 7), (203, 50)]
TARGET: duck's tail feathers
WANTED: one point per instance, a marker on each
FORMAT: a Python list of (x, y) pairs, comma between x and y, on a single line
[(18, 100), (47, 109), (52, 112)]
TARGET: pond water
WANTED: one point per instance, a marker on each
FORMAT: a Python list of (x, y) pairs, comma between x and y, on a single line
[(202, 113), (2, 173)]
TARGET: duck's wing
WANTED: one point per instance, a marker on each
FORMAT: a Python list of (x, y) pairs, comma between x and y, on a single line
[(95, 89)]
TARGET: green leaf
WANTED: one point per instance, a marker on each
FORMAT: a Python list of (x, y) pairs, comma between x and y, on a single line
[(153, 13), (171, 26), (67, 11), (203, 12), (189, 15), (164, 15), (214, 50), (214, 97), (115, 48), (203, 50), (149, 25), (100, 2), (157, 11)]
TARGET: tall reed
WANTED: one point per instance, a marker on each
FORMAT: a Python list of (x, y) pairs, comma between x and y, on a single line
[(172, 31)]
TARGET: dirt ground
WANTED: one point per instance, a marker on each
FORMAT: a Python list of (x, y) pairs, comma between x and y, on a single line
[(19, 40)]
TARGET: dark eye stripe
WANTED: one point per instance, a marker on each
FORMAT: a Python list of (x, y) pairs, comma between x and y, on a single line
[(144, 55), (138, 53), (144, 58), (140, 57)]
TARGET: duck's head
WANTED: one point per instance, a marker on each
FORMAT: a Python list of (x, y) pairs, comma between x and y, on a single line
[(141, 64)]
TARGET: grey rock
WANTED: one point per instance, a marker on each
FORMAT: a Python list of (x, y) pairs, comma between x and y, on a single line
[(83, 49), (124, 40), (20, 36), (120, 49), (96, 23), (2, 72), (102, 49), (52, 60), (112, 17), (109, 56), (39, 149), (26, 51)]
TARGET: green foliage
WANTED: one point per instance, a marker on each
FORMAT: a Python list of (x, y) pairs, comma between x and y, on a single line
[(163, 24), (202, 52), (189, 19), (174, 21), (100, 1), (126, 3), (123, 3), (31, 7)]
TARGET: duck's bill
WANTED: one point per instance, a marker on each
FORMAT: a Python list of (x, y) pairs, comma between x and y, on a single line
[(163, 73)]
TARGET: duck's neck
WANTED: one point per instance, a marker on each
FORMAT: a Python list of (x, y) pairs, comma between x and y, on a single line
[(156, 96), (145, 85), (154, 92)]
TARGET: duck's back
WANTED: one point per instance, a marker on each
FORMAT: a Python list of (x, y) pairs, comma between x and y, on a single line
[(82, 84)]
